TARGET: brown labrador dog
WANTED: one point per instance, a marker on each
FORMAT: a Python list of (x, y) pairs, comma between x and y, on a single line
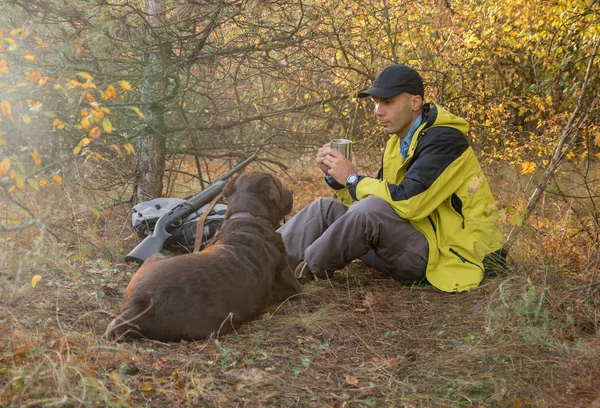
[(191, 296)]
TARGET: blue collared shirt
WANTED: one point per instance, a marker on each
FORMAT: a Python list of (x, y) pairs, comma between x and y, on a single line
[(405, 144)]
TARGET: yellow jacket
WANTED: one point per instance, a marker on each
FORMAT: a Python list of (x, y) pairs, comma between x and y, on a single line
[(441, 189)]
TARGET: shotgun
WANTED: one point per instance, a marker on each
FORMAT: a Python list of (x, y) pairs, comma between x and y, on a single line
[(152, 244)]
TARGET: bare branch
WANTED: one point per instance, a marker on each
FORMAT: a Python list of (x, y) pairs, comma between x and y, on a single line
[(571, 130)]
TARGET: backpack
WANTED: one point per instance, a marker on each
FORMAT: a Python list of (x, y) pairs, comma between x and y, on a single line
[(145, 215)]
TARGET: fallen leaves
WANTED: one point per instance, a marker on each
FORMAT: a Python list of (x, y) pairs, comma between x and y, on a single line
[(37, 158), (351, 380), (111, 93), (35, 280), (6, 108), (95, 132), (4, 166)]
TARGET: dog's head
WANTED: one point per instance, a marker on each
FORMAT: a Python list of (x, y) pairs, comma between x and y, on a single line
[(260, 194)]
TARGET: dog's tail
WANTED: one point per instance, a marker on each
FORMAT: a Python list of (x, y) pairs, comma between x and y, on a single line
[(122, 328), (129, 324)]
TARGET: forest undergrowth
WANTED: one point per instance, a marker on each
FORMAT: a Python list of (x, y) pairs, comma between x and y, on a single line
[(527, 338)]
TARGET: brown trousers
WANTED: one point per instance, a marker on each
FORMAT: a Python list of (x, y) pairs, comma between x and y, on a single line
[(328, 236)]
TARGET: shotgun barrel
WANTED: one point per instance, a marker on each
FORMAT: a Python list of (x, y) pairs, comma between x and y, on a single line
[(153, 244)]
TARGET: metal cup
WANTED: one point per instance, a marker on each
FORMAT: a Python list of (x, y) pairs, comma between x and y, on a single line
[(344, 146)]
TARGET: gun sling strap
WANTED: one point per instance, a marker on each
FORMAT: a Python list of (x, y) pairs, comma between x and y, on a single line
[(201, 220)]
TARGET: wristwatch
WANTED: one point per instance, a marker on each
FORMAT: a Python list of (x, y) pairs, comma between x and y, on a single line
[(351, 180)]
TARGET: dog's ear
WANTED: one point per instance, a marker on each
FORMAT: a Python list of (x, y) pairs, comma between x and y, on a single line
[(280, 196), (287, 201), (272, 190), (230, 186)]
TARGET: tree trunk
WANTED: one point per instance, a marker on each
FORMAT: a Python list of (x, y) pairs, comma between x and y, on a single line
[(151, 144)]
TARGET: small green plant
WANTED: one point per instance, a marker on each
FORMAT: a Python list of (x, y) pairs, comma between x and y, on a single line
[(528, 312), (229, 358)]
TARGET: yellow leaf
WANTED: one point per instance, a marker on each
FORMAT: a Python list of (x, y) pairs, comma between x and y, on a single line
[(33, 184), (85, 75), (39, 41), (138, 111), (360, 309), (519, 402), (119, 152), (26, 119), (37, 158), (11, 190), (129, 148), (3, 67), (42, 81), (95, 132), (98, 114), (125, 85), (43, 183), (107, 126), (6, 108), (74, 83), (20, 182), (111, 92), (29, 57), (77, 150), (90, 97), (527, 167), (13, 44), (85, 123), (4, 166), (85, 141), (15, 31), (147, 388), (570, 155), (35, 280), (58, 179), (474, 184)]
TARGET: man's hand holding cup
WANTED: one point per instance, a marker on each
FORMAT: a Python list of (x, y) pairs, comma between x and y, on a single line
[(337, 160)]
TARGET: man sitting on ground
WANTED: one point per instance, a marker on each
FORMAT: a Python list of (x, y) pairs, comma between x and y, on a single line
[(425, 217)]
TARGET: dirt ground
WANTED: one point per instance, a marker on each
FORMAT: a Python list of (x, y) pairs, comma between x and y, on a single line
[(358, 340)]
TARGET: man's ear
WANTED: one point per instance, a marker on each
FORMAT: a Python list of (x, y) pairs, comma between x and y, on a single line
[(230, 186), (417, 102)]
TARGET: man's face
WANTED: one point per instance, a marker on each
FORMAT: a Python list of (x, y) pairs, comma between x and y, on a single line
[(397, 114)]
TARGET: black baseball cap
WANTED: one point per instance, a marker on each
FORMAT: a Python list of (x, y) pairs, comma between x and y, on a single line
[(394, 80)]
